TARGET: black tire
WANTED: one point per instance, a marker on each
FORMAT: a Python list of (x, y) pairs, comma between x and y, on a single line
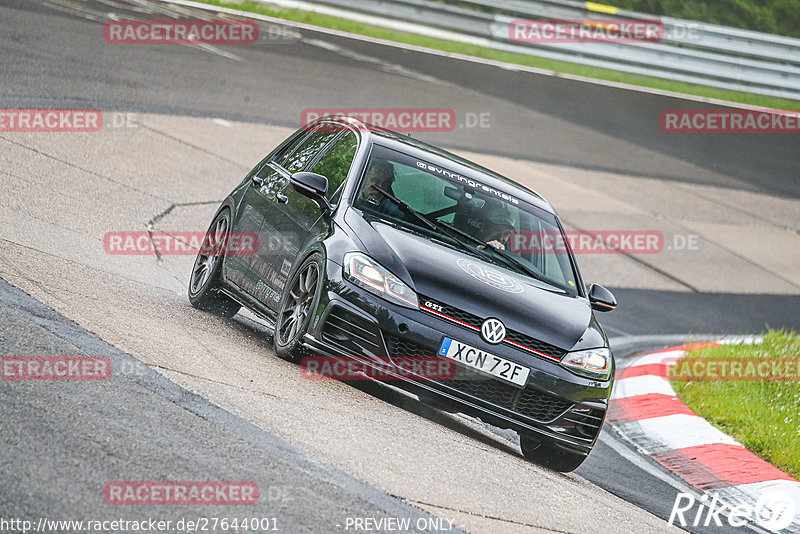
[(550, 456), (204, 283), (297, 304)]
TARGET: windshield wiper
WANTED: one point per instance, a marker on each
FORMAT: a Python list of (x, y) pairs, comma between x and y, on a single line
[(460, 232), (408, 209), (436, 224), (520, 265), (508, 258), (430, 224)]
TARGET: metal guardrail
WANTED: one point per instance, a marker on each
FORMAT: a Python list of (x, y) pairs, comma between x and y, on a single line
[(691, 52)]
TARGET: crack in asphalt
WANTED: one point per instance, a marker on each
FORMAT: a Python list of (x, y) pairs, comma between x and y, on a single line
[(169, 209), (150, 225), (220, 382)]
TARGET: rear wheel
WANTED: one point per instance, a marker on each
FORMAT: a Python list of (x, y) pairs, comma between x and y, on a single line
[(550, 456), (204, 284), (296, 307)]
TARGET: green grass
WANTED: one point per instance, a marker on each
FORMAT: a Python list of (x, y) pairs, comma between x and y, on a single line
[(764, 416), (345, 25), (769, 16)]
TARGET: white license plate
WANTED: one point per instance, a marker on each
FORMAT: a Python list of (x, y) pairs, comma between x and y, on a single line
[(483, 361)]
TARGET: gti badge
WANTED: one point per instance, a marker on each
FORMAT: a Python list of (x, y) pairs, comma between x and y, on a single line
[(493, 331)]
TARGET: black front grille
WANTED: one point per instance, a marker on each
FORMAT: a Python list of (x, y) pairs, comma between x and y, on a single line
[(529, 402), (540, 405), (455, 313), (584, 422), (399, 348), (535, 344), (475, 322), (352, 333), (403, 348)]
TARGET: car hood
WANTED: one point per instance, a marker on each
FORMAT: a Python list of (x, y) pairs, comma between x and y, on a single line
[(479, 287)]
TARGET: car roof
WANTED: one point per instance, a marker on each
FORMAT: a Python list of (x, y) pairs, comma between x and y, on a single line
[(447, 160)]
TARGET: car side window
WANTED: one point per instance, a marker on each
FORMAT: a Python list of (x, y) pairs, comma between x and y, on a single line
[(284, 154), (308, 149), (336, 162)]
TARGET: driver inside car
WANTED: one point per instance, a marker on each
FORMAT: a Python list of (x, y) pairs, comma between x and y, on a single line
[(380, 176), (497, 227)]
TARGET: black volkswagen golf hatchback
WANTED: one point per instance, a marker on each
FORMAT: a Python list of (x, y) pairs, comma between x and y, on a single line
[(376, 247)]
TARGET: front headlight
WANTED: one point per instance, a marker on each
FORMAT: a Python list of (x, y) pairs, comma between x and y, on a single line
[(594, 363), (370, 275)]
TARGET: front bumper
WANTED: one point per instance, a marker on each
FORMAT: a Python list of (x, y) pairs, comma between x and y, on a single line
[(554, 406)]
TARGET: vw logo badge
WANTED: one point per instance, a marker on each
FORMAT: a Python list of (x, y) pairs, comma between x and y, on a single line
[(493, 331)]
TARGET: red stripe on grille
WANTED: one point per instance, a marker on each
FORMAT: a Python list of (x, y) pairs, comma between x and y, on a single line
[(520, 345), (462, 323), (440, 314)]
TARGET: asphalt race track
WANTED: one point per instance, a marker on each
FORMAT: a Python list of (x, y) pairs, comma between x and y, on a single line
[(298, 492), (203, 398)]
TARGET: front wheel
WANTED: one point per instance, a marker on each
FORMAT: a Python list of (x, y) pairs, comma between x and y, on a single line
[(296, 307), (204, 284), (550, 456)]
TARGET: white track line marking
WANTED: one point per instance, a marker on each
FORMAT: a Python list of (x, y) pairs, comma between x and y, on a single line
[(641, 385), (671, 432)]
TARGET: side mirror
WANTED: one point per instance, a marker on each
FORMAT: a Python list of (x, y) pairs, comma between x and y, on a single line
[(312, 185), (601, 299)]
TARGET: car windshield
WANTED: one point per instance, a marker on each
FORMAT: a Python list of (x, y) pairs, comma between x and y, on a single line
[(462, 212)]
